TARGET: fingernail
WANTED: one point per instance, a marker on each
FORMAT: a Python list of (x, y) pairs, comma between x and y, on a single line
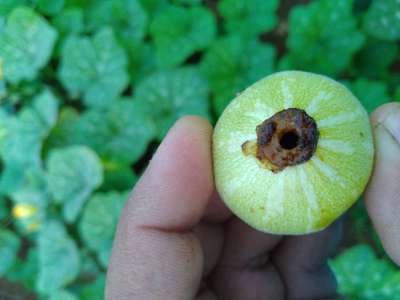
[(392, 123)]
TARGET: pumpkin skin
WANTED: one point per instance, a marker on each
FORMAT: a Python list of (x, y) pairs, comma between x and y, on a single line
[(309, 195)]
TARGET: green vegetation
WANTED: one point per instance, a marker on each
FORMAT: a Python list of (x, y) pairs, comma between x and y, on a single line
[(88, 88)]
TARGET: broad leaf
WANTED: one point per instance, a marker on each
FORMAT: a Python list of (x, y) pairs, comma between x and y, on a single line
[(120, 134), (382, 20), (95, 68), (9, 246), (6, 6), (153, 7), (233, 63), (63, 134), (94, 290), (179, 32), (167, 95), (25, 270), (375, 57), (73, 173), (62, 295), (371, 93), (362, 276), (50, 7), (24, 27), (142, 60), (248, 17), (323, 36), (126, 17), (58, 258), (120, 178), (69, 21), (21, 139), (4, 212)]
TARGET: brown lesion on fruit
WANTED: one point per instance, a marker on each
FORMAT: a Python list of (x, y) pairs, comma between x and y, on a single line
[(288, 138)]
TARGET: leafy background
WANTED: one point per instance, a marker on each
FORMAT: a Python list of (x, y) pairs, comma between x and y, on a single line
[(88, 88)]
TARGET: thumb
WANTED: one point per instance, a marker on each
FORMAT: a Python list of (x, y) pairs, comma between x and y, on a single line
[(383, 193), (154, 254)]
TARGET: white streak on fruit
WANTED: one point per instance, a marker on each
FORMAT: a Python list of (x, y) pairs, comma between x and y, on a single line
[(336, 146), (288, 96), (315, 102), (338, 120)]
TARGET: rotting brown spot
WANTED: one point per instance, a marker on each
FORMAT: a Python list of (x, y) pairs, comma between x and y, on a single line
[(287, 138)]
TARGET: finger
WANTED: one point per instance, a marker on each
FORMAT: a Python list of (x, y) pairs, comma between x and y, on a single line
[(244, 271), (211, 238), (154, 254), (382, 196), (177, 185), (216, 211), (206, 295), (302, 264)]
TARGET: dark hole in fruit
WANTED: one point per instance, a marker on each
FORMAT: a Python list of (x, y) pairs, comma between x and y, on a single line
[(289, 140)]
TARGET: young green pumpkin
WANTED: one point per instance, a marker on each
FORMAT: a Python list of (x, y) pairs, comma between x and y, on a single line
[(292, 152)]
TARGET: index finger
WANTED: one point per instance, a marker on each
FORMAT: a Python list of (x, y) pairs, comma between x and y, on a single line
[(155, 255), (382, 196)]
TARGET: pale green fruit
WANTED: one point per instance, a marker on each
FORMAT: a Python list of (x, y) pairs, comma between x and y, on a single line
[(310, 195)]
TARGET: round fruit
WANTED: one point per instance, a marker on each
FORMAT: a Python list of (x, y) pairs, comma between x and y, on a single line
[(292, 153)]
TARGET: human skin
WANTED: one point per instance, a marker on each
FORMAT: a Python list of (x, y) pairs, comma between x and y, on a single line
[(176, 239)]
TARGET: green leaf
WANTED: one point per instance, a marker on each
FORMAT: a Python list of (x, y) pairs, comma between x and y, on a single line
[(168, 95), (33, 188), (99, 221), (121, 178), (94, 290), (187, 2), (179, 32), (24, 27), (390, 288), (126, 17), (69, 21), (6, 6), (9, 246), (73, 173), (382, 20), (22, 136), (397, 94), (374, 59), (350, 268), (142, 60), (62, 295), (153, 7), (371, 93), (32, 191), (361, 275), (323, 36), (25, 270), (63, 133), (376, 275), (50, 7), (232, 63), (58, 258), (120, 134), (4, 212), (248, 17), (95, 67), (89, 266), (46, 106)]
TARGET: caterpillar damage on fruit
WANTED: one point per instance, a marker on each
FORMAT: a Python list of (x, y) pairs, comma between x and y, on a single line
[(288, 138)]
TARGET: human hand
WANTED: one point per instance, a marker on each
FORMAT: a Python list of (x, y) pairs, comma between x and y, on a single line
[(176, 239)]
